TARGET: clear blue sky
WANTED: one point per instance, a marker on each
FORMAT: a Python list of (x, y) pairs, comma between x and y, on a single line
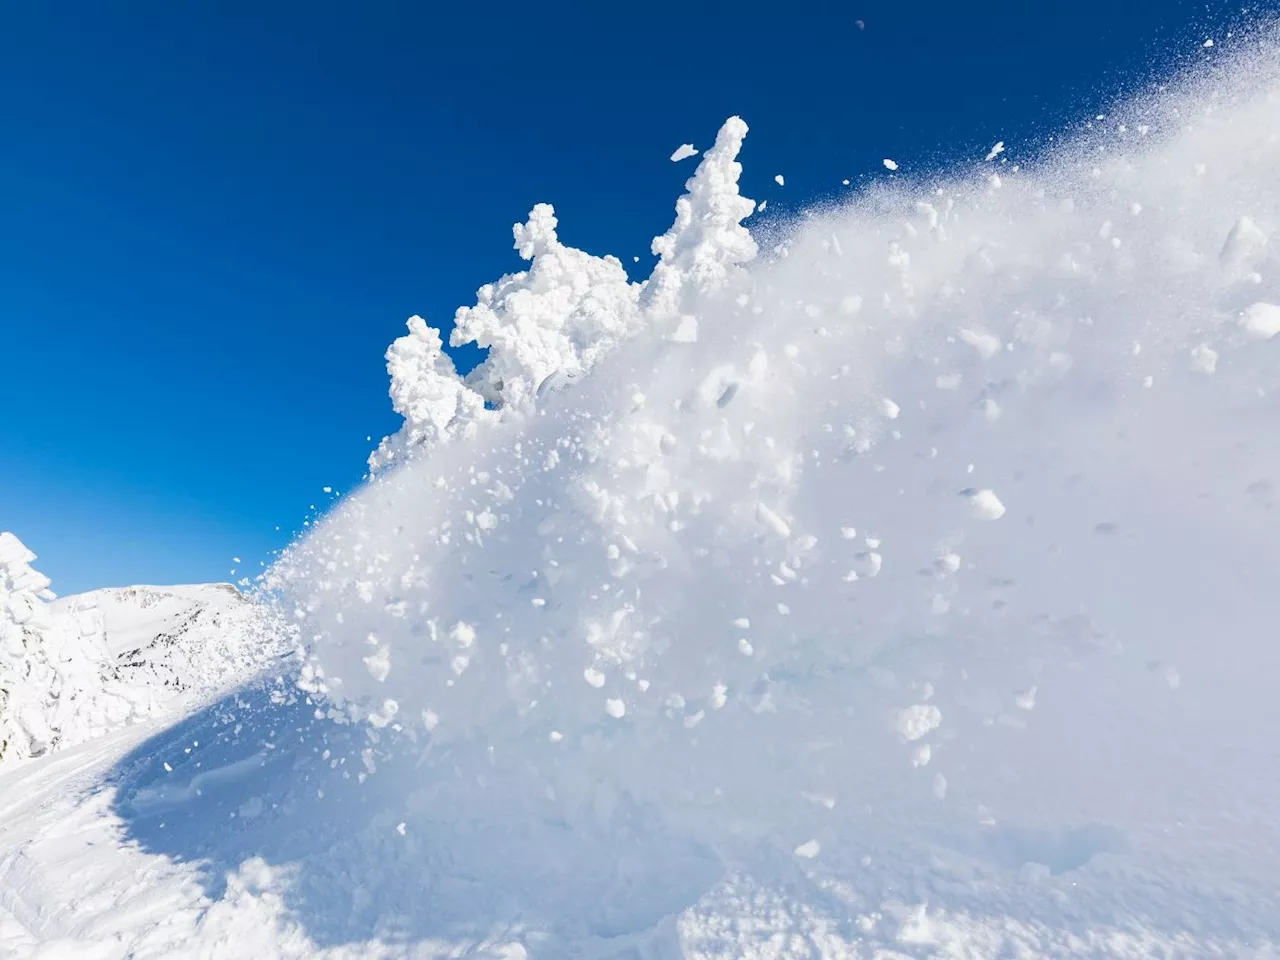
[(216, 216)]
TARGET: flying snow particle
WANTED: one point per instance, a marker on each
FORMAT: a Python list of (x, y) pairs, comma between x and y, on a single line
[(378, 664), (1204, 359), (1261, 321), (684, 152), (947, 564), (780, 180), (890, 164), (772, 521), (917, 720), (809, 849), (615, 708), (719, 696), (986, 345), (985, 505), (593, 677), (995, 151), (687, 330)]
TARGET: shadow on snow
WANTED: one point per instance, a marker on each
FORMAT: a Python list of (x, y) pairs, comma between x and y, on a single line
[(483, 855)]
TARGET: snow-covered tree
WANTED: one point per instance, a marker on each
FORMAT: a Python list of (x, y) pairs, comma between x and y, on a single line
[(707, 241), (546, 326), (427, 391), (51, 672), (556, 318)]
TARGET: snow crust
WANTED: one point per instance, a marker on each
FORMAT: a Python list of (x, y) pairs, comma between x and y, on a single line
[(666, 632)]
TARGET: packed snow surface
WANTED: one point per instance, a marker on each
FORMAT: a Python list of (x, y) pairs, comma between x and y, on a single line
[(907, 590)]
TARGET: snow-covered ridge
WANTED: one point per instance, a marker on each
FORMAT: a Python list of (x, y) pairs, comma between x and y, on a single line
[(74, 668)]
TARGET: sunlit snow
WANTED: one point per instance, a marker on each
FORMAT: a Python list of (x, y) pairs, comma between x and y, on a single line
[(665, 632)]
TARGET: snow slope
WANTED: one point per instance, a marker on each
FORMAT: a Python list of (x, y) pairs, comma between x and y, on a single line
[(185, 639), (906, 590)]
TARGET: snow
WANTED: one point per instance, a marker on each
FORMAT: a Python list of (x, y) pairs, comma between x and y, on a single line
[(684, 152), (889, 164), (1261, 321), (77, 668), (666, 633)]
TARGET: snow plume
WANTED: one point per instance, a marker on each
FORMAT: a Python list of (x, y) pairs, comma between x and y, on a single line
[(547, 326), (950, 533)]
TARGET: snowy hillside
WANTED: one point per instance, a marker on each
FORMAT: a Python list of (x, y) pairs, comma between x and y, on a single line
[(76, 668), (902, 589), (179, 639)]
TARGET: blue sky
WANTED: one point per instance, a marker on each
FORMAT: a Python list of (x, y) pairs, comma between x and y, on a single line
[(216, 216)]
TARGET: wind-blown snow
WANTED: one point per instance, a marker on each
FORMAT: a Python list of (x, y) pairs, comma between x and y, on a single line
[(908, 589)]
